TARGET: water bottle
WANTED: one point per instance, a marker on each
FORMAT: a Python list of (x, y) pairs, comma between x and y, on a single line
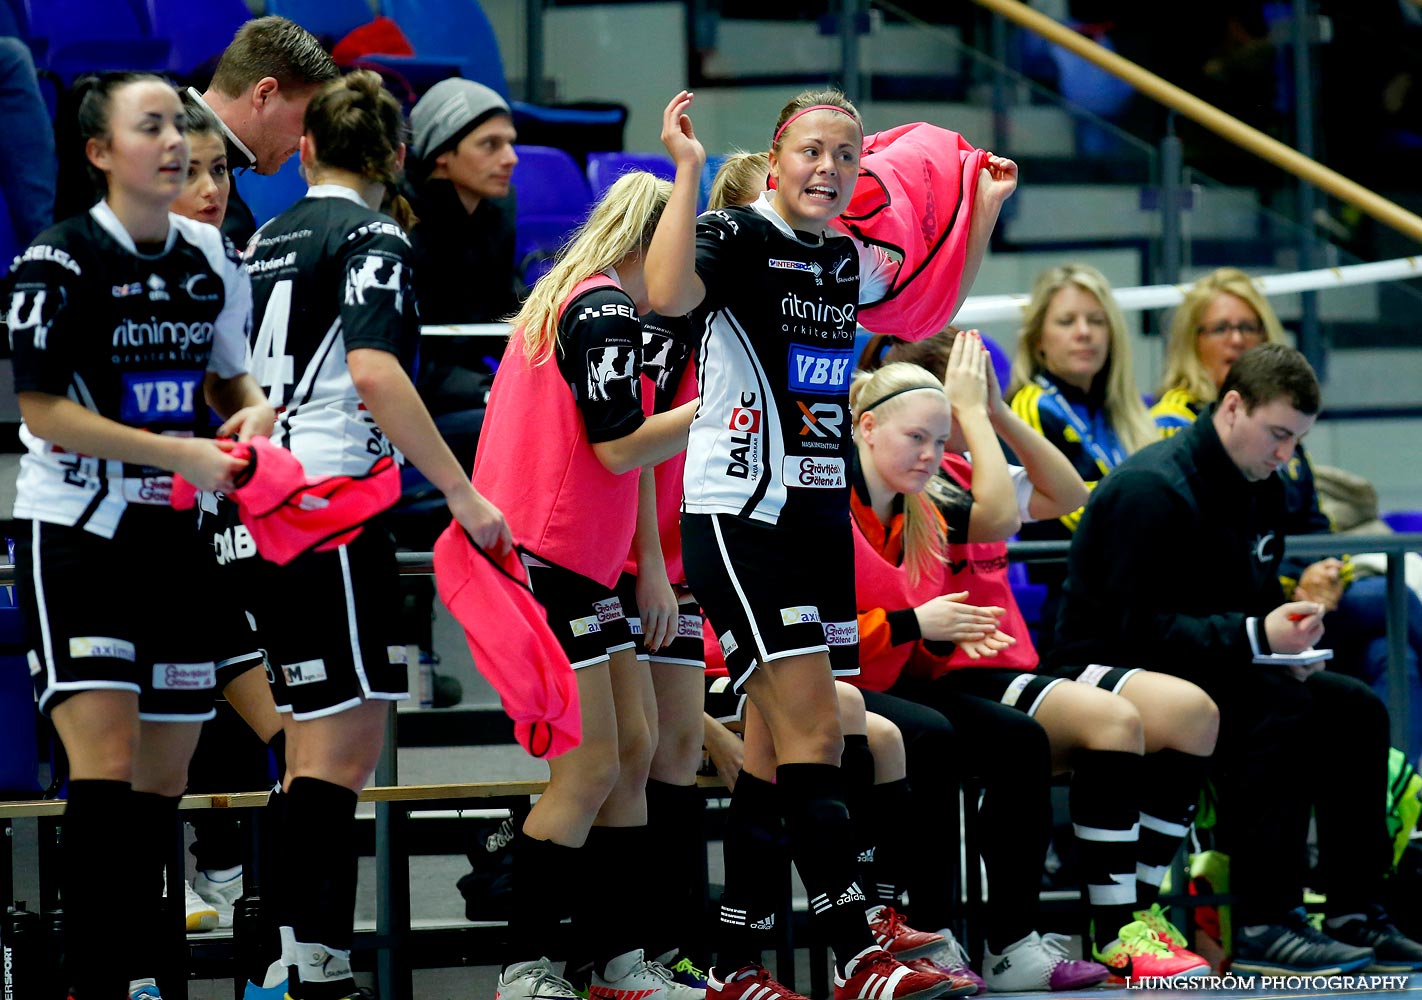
[(421, 665)]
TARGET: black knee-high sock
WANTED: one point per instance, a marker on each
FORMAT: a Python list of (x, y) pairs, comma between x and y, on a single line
[(543, 895), (322, 893), (856, 764), (889, 803), (99, 836), (1105, 818), (277, 745), (619, 850), (1170, 793), (677, 851), (157, 947), (821, 839), (272, 890), (757, 873)]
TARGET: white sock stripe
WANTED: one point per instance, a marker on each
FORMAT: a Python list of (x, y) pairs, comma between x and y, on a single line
[(1151, 874), (1159, 825), (1102, 835), (1111, 895)]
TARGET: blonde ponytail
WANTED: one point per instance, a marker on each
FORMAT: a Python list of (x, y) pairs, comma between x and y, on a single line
[(619, 225)]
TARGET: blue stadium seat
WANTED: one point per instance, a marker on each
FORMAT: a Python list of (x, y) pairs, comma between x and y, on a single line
[(19, 761), (90, 35), (1404, 521), (453, 31), (605, 168), (9, 242), (196, 32), (1001, 362), (332, 18), (269, 196), (553, 199), (1029, 596)]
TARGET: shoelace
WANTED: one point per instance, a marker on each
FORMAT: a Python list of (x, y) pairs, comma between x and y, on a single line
[(957, 954), (892, 920), (1138, 939), (686, 968), (1157, 921), (547, 977), (659, 970)]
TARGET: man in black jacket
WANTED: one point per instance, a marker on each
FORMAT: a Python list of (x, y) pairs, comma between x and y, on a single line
[(259, 91), (1175, 566)]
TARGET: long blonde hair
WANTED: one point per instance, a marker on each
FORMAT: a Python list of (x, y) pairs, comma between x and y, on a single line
[(1125, 411), (620, 225), (1183, 369), (924, 532), (740, 180)]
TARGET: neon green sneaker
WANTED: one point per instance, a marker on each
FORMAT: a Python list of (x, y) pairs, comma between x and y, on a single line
[(1140, 953), (1160, 924)]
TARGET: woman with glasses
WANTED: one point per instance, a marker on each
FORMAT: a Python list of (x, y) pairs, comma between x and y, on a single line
[(1073, 382), (1223, 315)]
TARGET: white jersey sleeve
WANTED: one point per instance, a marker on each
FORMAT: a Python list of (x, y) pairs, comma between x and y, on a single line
[(231, 354), (876, 273)]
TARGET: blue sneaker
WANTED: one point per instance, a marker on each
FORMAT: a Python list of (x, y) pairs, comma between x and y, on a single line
[(273, 988), (144, 989), (1295, 946), (683, 970)]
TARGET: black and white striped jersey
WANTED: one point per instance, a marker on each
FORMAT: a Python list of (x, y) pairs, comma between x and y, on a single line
[(772, 434), (329, 275), (127, 333)]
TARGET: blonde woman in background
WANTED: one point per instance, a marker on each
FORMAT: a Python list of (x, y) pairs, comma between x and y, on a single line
[(1073, 382)]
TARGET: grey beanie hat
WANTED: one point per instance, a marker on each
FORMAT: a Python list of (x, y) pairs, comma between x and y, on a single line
[(448, 111)]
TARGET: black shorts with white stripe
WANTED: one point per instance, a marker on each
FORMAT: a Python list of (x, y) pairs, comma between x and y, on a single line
[(588, 620), (687, 647), (119, 613), (1026, 689), (771, 592), (329, 622), (232, 554)]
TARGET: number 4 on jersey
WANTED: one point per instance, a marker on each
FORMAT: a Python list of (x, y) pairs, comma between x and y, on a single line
[(272, 367)]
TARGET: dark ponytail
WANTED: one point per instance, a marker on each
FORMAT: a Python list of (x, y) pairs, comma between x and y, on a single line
[(357, 126)]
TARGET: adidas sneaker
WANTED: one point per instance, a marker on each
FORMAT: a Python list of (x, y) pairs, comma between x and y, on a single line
[(751, 982), (874, 974), (897, 938)]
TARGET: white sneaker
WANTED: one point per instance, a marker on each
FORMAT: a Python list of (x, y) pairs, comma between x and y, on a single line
[(221, 893), (533, 981), (1039, 962), (631, 977), (202, 915)]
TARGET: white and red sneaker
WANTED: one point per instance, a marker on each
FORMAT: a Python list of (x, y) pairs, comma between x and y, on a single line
[(751, 982), (631, 977), (874, 974), (898, 938)]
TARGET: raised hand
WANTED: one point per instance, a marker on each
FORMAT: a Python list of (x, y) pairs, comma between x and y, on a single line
[(677, 134)]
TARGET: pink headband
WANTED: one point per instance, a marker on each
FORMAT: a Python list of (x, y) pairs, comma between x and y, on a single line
[(805, 111)]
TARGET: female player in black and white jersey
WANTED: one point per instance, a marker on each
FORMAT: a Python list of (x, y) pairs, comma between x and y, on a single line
[(335, 329), (125, 321), (766, 537)]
